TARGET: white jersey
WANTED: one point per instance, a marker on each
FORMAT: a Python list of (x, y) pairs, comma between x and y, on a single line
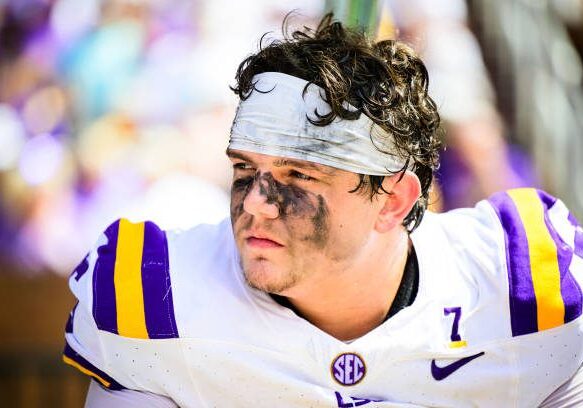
[(496, 320)]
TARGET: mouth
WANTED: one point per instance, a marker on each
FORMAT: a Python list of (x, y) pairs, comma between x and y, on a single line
[(262, 242)]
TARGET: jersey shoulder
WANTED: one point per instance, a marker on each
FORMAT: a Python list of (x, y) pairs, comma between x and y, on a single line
[(543, 251), (520, 252), (122, 288), (129, 281), (124, 330), (131, 290)]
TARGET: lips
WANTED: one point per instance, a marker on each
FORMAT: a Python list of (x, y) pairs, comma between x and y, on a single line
[(256, 240)]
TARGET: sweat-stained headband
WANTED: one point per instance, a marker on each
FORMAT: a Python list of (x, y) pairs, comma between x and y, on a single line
[(274, 121)]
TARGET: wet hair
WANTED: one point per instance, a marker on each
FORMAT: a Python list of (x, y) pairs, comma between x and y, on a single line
[(384, 80)]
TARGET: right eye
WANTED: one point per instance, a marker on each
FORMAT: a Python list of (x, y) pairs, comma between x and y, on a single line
[(242, 166)]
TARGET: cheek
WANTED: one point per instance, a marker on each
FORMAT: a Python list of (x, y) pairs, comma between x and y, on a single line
[(239, 190), (295, 202), (348, 228), (236, 206), (313, 226)]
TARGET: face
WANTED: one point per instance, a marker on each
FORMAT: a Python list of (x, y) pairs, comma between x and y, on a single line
[(295, 222)]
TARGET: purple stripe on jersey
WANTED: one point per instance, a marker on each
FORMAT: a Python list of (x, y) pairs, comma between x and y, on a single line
[(158, 306), (570, 290), (523, 312), (547, 199), (69, 325), (104, 309), (578, 235), (76, 357)]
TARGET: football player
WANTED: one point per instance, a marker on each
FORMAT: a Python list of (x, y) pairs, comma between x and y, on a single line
[(329, 285)]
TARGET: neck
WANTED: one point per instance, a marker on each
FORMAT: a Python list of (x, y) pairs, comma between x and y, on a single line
[(353, 301)]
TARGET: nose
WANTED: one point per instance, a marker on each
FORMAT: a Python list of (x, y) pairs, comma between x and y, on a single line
[(258, 203)]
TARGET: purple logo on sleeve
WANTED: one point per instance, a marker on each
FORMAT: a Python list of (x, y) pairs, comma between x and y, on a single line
[(81, 269), (348, 369)]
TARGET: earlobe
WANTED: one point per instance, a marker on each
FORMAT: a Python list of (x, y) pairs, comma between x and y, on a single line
[(404, 194)]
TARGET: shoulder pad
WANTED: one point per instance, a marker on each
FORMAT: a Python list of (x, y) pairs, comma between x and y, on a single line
[(541, 241), (132, 293)]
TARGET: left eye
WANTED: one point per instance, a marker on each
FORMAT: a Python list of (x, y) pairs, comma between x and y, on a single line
[(301, 176)]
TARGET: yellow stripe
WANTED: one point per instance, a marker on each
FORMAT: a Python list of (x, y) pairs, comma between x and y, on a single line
[(129, 298), (86, 371), (458, 344), (544, 263)]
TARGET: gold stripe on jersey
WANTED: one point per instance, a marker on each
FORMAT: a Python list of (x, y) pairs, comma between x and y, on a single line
[(544, 264), (458, 344), (86, 371), (131, 320)]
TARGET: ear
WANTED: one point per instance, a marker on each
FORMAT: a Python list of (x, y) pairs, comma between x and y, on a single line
[(405, 191)]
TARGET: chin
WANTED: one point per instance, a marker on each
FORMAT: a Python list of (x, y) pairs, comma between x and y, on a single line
[(262, 275)]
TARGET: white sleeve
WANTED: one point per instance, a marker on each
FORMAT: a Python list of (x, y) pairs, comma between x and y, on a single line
[(110, 290), (568, 395), (99, 397)]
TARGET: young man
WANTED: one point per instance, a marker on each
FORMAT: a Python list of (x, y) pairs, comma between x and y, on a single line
[(328, 286)]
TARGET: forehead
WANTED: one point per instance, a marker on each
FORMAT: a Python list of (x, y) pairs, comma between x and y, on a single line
[(281, 161)]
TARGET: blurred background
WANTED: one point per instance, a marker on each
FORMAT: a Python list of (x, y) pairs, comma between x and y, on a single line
[(114, 108)]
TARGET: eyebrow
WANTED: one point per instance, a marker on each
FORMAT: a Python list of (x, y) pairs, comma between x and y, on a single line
[(236, 155), (282, 162), (303, 165)]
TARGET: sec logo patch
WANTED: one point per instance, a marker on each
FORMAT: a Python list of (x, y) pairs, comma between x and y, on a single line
[(348, 369)]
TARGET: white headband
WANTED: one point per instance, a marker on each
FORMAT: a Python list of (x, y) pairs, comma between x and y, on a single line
[(274, 121)]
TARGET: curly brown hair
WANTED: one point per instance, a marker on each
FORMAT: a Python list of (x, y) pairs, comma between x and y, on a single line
[(384, 80)]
